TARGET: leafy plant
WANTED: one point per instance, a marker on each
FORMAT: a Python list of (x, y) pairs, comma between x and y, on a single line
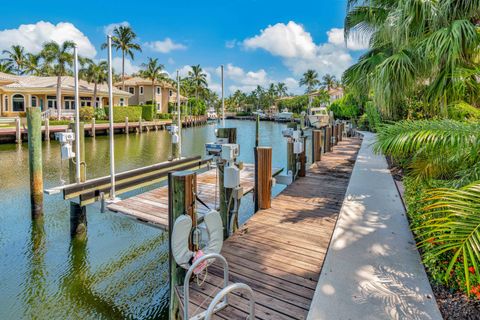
[(86, 113)]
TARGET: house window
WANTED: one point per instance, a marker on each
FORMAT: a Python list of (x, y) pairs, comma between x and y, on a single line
[(6, 103), (141, 90), (131, 90), (159, 90), (85, 101), (34, 101), (119, 88), (142, 103), (18, 103), (122, 102), (52, 102), (170, 93), (97, 103), (159, 106), (69, 103)]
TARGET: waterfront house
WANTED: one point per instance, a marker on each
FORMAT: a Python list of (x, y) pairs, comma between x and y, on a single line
[(334, 93), (142, 92), (17, 92)]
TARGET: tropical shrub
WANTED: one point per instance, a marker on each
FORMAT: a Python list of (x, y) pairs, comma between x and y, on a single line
[(243, 114), (86, 113), (120, 113), (197, 106), (373, 116), (442, 157), (100, 114), (345, 108), (363, 122), (463, 111), (300, 103), (163, 116)]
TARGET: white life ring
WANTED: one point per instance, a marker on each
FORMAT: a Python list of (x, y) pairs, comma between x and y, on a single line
[(180, 236)]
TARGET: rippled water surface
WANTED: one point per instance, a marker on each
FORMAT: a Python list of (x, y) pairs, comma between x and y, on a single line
[(121, 269)]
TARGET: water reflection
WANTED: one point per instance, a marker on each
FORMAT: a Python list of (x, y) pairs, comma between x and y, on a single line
[(120, 270)]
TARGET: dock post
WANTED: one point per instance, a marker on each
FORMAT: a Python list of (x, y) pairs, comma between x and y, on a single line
[(328, 139), (18, 131), (78, 220), (47, 129), (127, 129), (140, 125), (263, 178), (181, 200), (317, 142), (34, 122), (225, 193), (302, 158), (92, 132), (257, 130), (291, 158), (82, 155)]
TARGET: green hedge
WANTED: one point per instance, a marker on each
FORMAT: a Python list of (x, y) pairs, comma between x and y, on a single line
[(163, 116), (119, 113), (148, 112)]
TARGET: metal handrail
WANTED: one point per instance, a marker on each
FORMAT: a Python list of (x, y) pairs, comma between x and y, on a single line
[(186, 282), (225, 292)]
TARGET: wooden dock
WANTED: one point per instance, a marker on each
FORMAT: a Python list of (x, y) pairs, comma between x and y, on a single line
[(280, 251), (152, 207)]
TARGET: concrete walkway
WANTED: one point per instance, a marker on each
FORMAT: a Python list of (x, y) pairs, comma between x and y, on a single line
[(372, 269)]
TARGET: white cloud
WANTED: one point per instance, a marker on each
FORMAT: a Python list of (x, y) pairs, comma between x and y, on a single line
[(129, 66), (299, 52), (293, 86), (171, 61), (33, 36), (355, 42), (108, 29), (244, 80), (284, 40), (165, 46)]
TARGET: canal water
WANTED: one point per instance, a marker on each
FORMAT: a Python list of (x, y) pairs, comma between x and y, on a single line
[(121, 269)]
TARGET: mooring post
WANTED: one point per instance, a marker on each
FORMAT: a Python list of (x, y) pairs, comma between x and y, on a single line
[(82, 155), (257, 130), (18, 130), (291, 157), (47, 129), (127, 129), (92, 132), (317, 142), (181, 200), (302, 158), (328, 139), (263, 178), (140, 125), (225, 193), (34, 122)]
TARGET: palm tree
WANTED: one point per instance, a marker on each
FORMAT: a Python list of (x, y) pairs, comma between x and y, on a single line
[(450, 224), (329, 81), (59, 57), (5, 67), (96, 73), (310, 80), (282, 89), (198, 78), (123, 39), (420, 51), (154, 71), (15, 58), (32, 64)]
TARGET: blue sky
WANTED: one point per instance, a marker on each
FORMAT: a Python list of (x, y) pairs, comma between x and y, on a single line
[(259, 42)]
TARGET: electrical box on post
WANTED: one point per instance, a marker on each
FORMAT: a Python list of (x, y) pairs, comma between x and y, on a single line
[(231, 177), (297, 147), (230, 151), (66, 139)]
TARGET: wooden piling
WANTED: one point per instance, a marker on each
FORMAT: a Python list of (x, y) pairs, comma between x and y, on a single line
[(34, 122), (18, 131), (317, 142), (302, 158), (263, 178), (92, 132), (47, 129), (225, 193), (181, 200), (78, 220), (127, 129), (291, 157), (328, 139), (140, 125), (257, 130), (71, 162)]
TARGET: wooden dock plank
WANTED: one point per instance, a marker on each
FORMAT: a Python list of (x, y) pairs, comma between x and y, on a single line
[(152, 206), (279, 252)]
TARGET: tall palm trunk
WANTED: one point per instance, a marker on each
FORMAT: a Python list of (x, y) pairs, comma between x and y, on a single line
[(123, 70), (153, 94), (59, 97), (95, 95)]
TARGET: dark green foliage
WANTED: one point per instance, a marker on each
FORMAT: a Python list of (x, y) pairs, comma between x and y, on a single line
[(100, 114), (163, 116), (196, 107), (373, 116), (345, 108), (119, 113), (300, 103), (148, 112)]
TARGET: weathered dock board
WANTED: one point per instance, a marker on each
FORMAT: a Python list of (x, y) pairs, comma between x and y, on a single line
[(152, 206), (280, 251)]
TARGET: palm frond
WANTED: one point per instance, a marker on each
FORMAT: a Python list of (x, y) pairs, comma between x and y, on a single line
[(453, 219)]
